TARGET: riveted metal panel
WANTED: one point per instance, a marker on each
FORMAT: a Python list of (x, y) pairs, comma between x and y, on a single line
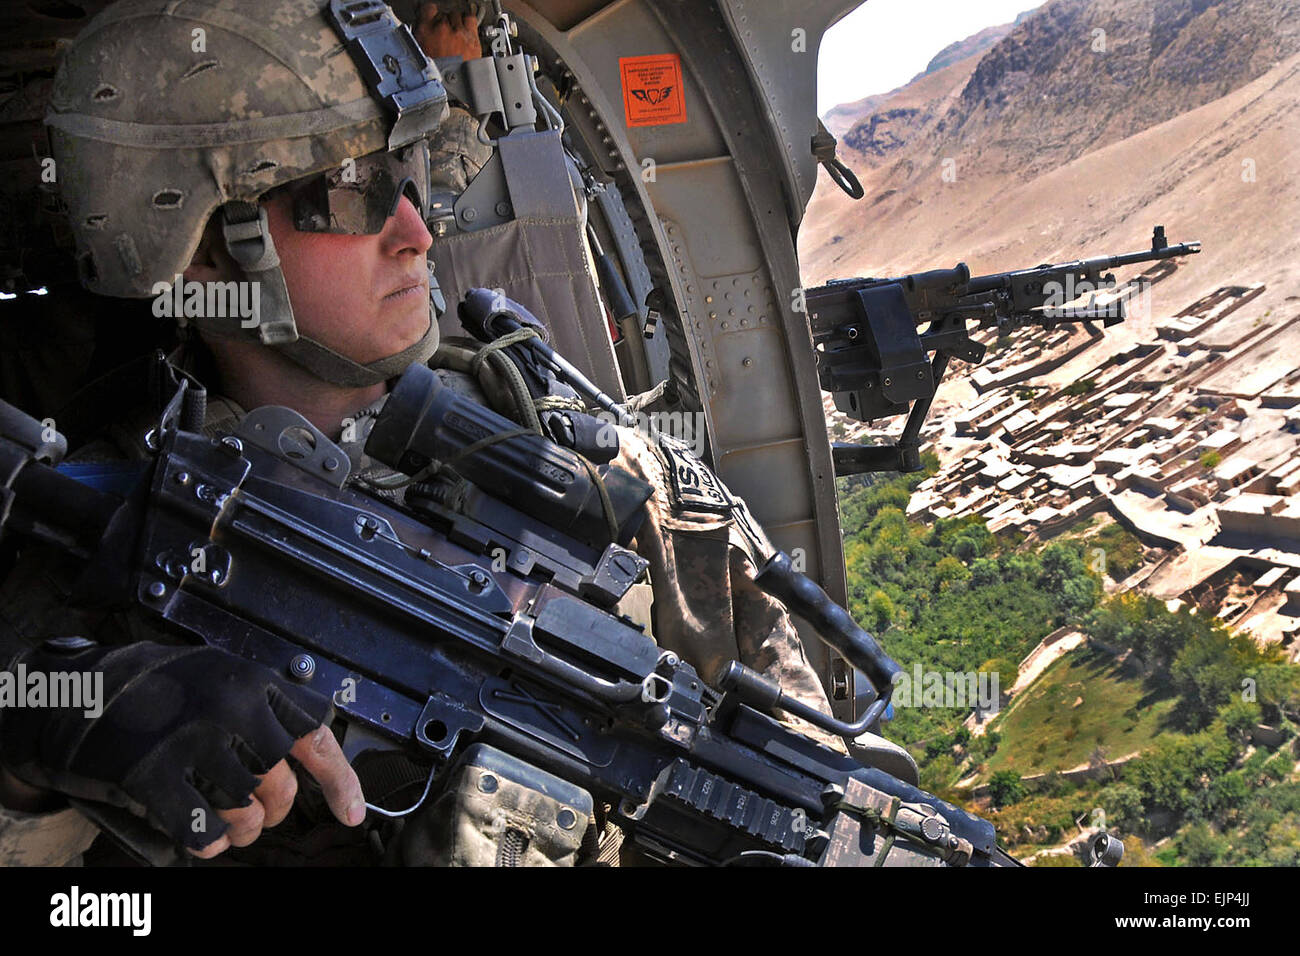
[(723, 198), (780, 41)]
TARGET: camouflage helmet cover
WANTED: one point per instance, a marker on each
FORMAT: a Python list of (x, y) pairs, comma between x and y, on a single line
[(162, 111)]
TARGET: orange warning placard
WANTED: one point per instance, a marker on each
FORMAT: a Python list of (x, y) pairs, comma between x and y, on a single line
[(652, 89)]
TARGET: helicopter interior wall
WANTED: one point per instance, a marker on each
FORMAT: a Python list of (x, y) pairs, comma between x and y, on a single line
[(721, 192)]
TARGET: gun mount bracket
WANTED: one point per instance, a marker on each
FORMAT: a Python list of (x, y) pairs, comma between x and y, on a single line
[(441, 723), (288, 436)]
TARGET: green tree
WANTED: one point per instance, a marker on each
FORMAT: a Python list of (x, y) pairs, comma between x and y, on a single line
[(1208, 670), (1065, 577), (1283, 841), (936, 746), (1228, 793), (1200, 846), (1239, 718), (1123, 805), (1277, 684), (1144, 623), (1006, 788), (949, 571), (880, 610), (1137, 854), (1175, 774), (1006, 669)]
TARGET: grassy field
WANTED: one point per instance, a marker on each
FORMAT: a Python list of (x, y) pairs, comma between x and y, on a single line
[(1083, 701)]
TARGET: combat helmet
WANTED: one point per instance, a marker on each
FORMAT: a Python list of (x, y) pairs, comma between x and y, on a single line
[(164, 112)]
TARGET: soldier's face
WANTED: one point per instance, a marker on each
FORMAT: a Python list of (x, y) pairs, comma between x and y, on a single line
[(366, 296)]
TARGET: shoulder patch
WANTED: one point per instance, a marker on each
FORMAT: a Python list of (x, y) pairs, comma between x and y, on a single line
[(692, 484)]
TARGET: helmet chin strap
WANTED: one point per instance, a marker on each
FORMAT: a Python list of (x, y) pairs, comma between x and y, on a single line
[(248, 240)]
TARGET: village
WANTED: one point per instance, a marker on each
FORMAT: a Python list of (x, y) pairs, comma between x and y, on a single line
[(1191, 441)]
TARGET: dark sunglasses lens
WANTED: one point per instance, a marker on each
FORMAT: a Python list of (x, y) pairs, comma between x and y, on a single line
[(361, 206), (358, 197)]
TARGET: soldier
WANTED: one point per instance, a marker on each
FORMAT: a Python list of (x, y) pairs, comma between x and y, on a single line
[(267, 159)]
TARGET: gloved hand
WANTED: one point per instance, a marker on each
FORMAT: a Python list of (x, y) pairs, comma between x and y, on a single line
[(178, 735)]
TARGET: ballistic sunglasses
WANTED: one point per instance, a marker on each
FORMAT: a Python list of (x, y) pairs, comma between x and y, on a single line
[(357, 197)]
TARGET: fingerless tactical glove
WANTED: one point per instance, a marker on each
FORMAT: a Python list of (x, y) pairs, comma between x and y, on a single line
[(175, 731)]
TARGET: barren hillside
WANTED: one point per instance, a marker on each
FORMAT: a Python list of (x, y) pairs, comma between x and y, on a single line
[(845, 116), (1187, 116)]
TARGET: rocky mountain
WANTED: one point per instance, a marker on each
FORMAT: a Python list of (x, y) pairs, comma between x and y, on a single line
[(1076, 75), (881, 125), (975, 43), (840, 119), (1089, 122)]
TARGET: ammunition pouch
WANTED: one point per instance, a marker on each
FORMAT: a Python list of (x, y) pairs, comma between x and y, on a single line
[(497, 810)]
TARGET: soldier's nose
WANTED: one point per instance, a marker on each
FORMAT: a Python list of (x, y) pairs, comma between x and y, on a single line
[(405, 232)]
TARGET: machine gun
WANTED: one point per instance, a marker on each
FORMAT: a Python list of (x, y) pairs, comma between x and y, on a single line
[(480, 637), (871, 357)]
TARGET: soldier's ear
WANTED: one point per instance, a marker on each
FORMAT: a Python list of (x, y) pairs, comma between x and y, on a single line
[(211, 262)]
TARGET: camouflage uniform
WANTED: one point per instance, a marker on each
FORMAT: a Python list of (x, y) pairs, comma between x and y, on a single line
[(459, 154), (704, 549), (53, 838), (706, 608)]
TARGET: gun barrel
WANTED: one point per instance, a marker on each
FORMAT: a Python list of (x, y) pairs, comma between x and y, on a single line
[(1004, 280), (1151, 255)]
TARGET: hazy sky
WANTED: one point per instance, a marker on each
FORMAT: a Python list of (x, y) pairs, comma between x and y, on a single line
[(884, 43)]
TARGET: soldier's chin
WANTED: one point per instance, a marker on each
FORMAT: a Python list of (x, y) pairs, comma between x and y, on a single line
[(408, 324)]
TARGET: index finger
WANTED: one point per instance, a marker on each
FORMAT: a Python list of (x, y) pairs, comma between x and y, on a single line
[(321, 756)]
